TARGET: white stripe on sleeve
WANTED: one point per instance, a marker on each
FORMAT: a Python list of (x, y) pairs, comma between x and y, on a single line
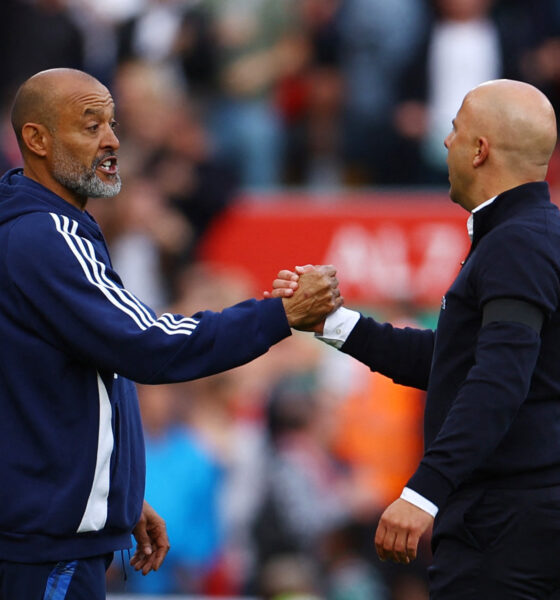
[(95, 272)]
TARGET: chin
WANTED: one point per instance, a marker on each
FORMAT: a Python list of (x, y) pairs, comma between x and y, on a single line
[(453, 196), (462, 201)]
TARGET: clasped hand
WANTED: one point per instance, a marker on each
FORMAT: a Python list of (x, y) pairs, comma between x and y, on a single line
[(309, 294)]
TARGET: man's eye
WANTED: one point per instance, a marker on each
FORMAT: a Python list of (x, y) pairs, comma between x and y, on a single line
[(93, 127), (114, 125)]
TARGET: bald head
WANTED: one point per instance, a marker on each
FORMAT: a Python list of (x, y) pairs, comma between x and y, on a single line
[(519, 122), (40, 98)]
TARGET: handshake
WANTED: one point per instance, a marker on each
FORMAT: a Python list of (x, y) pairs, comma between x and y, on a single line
[(309, 295)]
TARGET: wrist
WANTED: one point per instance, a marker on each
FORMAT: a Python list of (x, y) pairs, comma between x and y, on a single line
[(319, 327)]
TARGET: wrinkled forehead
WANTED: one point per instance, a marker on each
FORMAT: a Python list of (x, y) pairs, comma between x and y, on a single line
[(79, 101)]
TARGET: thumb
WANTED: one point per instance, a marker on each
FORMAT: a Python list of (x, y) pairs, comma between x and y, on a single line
[(143, 540), (304, 269), (145, 547)]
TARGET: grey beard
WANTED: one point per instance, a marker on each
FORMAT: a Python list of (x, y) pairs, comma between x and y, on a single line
[(82, 181)]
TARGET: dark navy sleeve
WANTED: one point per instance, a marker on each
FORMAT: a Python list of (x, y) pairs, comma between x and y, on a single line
[(71, 296), (403, 354), (514, 263)]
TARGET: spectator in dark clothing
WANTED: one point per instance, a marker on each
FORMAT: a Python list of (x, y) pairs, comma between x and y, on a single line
[(36, 36), (467, 43)]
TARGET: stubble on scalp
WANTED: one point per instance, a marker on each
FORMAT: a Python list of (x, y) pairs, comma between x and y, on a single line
[(34, 104)]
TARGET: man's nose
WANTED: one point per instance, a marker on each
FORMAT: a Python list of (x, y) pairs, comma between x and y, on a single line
[(110, 139)]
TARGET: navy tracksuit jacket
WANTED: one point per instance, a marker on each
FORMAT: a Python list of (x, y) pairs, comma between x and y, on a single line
[(71, 340)]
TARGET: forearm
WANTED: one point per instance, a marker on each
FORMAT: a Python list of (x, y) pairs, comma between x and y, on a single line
[(404, 355), (221, 341)]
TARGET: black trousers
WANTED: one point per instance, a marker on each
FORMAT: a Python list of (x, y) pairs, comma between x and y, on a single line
[(497, 545)]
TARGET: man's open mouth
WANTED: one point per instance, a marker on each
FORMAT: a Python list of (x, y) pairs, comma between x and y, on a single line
[(109, 165)]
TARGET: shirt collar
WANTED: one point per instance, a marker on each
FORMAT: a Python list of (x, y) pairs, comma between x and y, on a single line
[(470, 220)]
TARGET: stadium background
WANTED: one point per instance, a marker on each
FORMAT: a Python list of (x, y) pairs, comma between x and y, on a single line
[(257, 135)]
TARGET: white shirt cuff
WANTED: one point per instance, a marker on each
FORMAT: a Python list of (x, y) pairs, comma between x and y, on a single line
[(419, 501), (338, 326)]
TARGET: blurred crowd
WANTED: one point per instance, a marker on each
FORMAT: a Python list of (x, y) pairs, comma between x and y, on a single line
[(313, 93), (271, 477)]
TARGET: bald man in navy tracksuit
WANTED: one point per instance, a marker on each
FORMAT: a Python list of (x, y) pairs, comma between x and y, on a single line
[(72, 339), (490, 474)]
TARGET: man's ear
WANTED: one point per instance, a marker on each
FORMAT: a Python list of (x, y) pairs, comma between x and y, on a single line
[(36, 138), (482, 151)]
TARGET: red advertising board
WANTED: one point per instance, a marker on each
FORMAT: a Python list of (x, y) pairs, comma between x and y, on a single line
[(388, 247)]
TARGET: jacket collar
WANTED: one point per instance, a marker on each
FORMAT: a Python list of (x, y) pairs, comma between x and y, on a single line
[(507, 205)]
